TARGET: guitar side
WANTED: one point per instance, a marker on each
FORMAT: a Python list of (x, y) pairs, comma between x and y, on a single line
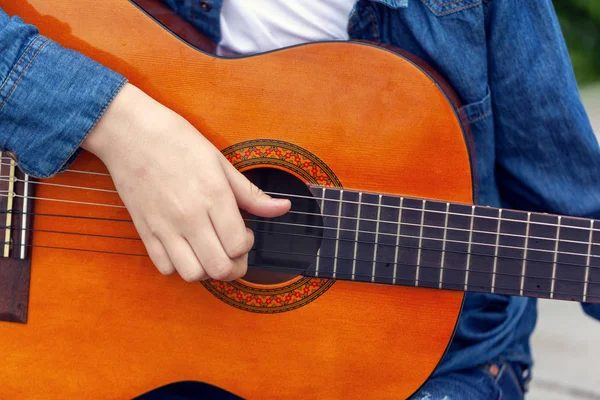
[(110, 326)]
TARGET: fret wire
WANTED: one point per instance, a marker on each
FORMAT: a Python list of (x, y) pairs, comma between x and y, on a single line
[(442, 260), (356, 236), (25, 215), (587, 262), (524, 265), (495, 265), (469, 248), (337, 235), (318, 260), (397, 241), (554, 262), (420, 244), (376, 239)]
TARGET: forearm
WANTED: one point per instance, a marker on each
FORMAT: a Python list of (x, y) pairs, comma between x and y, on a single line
[(50, 98)]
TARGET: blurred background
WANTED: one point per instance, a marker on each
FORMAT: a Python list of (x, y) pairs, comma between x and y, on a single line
[(566, 342)]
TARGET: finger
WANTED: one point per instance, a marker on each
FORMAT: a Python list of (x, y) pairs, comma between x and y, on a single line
[(159, 256), (211, 254), (226, 220), (250, 198), (184, 260)]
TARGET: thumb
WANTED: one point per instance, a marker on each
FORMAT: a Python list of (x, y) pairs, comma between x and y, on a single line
[(251, 198)]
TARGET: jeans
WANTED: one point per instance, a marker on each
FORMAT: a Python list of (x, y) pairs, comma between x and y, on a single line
[(499, 380)]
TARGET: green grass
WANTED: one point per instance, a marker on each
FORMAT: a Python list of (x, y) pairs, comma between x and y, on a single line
[(580, 22)]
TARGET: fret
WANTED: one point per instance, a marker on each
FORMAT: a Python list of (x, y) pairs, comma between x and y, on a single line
[(552, 284), (432, 242), (397, 241), (337, 234), (444, 246), (348, 225), (420, 245), (456, 246), (593, 289), (374, 267), (524, 263), (408, 242), (587, 262), (470, 248), (511, 249), (495, 265), (318, 258), (331, 208), (569, 270), (388, 226), (540, 255), (354, 262), (483, 249), (367, 226)]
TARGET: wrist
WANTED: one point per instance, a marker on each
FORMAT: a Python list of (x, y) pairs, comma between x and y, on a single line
[(116, 120)]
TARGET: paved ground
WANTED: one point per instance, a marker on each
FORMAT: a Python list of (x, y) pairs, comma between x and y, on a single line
[(566, 341)]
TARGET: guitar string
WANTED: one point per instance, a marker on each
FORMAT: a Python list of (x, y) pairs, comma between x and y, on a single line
[(361, 219), (369, 232), (309, 236), (287, 195), (286, 233), (370, 261), (366, 276), (357, 218)]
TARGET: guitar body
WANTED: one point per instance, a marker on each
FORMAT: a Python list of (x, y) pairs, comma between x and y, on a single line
[(109, 326)]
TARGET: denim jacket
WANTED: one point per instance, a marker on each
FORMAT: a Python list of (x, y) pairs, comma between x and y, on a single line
[(506, 59)]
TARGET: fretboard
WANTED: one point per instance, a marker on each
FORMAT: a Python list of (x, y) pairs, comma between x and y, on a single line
[(415, 242)]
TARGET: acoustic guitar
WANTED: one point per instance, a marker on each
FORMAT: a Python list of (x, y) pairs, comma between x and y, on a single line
[(355, 293)]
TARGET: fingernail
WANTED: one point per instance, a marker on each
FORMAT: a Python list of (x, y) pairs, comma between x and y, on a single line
[(282, 201)]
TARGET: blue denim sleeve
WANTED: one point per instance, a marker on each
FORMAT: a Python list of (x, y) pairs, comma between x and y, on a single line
[(548, 158), (50, 98)]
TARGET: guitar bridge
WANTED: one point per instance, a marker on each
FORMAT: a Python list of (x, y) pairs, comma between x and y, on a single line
[(15, 262)]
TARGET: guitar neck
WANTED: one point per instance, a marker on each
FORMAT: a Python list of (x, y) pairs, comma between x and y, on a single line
[(424, 243)]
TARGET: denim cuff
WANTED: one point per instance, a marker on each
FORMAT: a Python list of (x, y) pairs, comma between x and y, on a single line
[(49, 102)]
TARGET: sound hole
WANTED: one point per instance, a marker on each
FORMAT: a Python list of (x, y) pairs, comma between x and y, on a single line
[(284, 246)]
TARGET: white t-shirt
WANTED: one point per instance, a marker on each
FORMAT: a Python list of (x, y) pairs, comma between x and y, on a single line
[(256, 26)]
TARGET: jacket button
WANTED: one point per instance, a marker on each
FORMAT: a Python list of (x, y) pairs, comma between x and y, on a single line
[(205, 5)]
